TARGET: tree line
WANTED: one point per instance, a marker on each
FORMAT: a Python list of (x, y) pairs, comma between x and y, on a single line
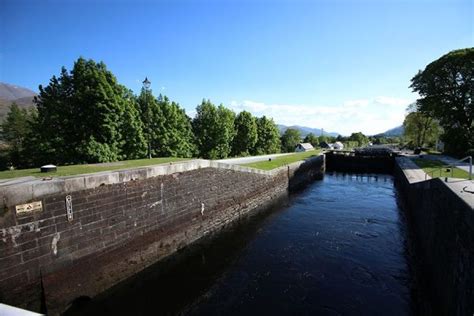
[(86, 116), (291, 137), (445, 109)]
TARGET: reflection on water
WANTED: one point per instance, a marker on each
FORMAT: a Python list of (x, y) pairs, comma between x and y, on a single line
[(338, 249)]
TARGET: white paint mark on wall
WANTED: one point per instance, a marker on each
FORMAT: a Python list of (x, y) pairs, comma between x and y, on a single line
[(14, 232), (34, 226), (54, 243), (202, 209), (152, 205), (144, 194), (4, 234)]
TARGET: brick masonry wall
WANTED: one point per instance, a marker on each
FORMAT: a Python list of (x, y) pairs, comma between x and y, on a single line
[(442, 225), (119, 229)]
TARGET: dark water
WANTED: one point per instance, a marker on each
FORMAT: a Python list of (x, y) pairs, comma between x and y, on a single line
[(339, 248)]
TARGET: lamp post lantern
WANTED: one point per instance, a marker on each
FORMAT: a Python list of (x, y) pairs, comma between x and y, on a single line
[(146, 86)]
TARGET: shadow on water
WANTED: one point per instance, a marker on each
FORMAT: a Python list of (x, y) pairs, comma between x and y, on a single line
[(169, 286), (339, 248)]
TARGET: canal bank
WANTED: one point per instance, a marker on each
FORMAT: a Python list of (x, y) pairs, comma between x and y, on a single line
[(92, 232), (441, 219), (338, 248), (77, 236)]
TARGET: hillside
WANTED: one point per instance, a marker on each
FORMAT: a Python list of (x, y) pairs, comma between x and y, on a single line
[(306, 130), (23, 97), (396, 131)]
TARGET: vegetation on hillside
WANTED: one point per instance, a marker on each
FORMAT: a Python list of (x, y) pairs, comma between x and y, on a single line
[(86, 116)]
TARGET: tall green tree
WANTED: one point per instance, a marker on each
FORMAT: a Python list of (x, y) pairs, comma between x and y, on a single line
[(81, 116), (133, 144), (323, 138), (420, 129), (446, 88), (226, 130), (312, 139), (178, 140), (360, 138), (290, 138), (214, 130), (268, 137), (14, 131), (167, 126), (245, 134)]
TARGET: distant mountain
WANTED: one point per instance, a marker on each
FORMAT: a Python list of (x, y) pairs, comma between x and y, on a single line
[(9, 93), (396, 131), (306, 130)]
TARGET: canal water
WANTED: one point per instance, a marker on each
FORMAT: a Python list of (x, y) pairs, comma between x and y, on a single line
[(338, 248)]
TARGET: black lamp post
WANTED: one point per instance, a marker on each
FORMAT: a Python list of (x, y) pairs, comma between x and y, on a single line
[(146, 86)]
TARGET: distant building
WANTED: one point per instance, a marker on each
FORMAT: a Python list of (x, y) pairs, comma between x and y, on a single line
[(326, 145), (338, 146), (303, 147)]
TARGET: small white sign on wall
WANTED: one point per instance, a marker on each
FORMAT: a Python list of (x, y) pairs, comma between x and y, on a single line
[(25, 209)]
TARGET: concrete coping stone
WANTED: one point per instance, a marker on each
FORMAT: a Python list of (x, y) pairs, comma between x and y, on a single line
[(26, 189), (412, 171), (414, 174), (464, 189)]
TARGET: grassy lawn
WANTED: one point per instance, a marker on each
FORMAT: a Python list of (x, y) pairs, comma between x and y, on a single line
[(428, 165), (281, 161), (87, 168)]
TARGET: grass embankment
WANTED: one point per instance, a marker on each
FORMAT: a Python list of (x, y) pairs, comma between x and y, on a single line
[(283, 160), (429, 166), (87, 168)]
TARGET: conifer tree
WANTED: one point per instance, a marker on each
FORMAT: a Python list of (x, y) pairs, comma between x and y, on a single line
[(268, 137), (214, 130), (15, 131), (245, 134), (85, 115)]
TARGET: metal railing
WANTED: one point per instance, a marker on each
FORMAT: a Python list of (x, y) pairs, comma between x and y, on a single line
[(451, 166)]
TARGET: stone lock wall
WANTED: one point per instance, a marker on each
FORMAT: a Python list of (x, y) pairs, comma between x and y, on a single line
[(359, 164), (121, 223), (441, 218)]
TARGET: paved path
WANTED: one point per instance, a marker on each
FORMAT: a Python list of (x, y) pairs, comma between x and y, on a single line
[(243, 160)]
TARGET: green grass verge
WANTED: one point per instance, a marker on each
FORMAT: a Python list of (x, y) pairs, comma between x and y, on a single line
[(429, 166), (87, 168), (281, 161)]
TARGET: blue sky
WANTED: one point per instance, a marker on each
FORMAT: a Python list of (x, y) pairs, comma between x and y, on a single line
[(344, 66)]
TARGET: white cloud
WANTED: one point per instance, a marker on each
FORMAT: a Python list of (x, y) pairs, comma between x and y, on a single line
[(357, 103), (370, 116), (397, 102)]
